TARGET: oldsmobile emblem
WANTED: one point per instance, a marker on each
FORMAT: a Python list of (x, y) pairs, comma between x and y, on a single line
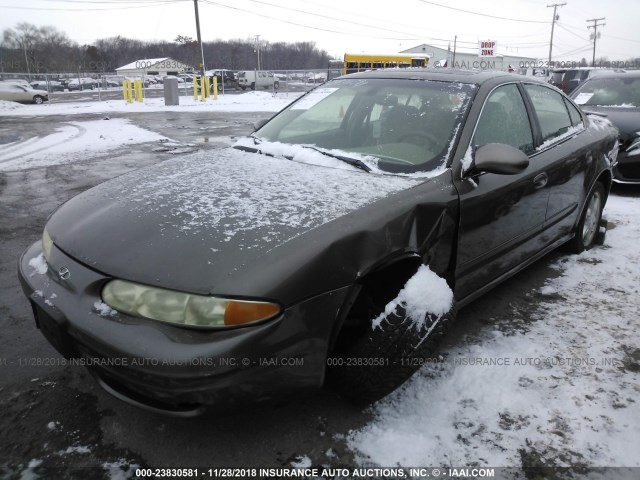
[(64, 273)]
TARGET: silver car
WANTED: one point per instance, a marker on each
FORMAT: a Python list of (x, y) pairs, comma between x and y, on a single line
[(19, 93)]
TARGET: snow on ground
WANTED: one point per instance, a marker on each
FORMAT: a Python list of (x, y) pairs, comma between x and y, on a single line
[(73, 141), (244, 102), (564, 393)]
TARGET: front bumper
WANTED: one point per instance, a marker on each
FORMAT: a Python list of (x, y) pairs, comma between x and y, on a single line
[(175, 370)]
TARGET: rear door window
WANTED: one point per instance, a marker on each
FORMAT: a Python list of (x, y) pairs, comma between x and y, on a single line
[(551, 110)]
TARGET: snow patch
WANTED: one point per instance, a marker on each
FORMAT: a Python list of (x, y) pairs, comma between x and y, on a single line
[(39, 264), (425, 294), (74, 141), (302, 462), (103, 309)]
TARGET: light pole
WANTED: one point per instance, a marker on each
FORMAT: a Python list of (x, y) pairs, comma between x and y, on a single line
[(195, 4)]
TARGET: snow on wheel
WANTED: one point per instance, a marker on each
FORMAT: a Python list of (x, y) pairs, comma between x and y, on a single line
[(396, 342), (38, 99)]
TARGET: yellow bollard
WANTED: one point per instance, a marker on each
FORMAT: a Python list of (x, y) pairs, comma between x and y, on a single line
[(126, 89), (203, 84), (215, 88), (137, 87), (195, 88)]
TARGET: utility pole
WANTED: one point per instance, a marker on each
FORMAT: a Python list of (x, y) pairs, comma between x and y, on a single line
[(195, 4), (258, 49), (553, 24), (595, 35), (455, 42)]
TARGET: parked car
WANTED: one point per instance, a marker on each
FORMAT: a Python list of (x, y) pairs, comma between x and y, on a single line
[(574, 77), (617, 97), (81, 84), (52, 86), (257, 79), (17, 93), (556, 77), (295, 258), (16, 81)]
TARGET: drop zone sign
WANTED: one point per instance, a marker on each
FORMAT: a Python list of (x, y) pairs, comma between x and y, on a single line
[(487, 48)]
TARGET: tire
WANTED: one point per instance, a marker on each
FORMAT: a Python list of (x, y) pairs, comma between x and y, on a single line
[(589, 223), (38, 99), (383, 358), (276, 85), (253, 86)]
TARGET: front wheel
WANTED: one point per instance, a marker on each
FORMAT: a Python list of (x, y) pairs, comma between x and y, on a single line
[(276, 85), (253, 86), (386, 356), (589, 224), (38, 99)]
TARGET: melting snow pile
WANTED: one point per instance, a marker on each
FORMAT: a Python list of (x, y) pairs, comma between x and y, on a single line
[(425, 294), (73, 141)]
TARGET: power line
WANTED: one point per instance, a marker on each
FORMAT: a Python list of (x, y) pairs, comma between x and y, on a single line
[(482, 14)]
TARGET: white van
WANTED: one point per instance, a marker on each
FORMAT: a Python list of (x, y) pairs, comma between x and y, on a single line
[(253, 80)]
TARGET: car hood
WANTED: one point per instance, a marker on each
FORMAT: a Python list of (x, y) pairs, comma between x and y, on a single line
[(626, 119), (214, 223)]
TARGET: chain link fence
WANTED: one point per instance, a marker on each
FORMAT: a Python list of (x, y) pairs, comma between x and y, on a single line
[(107, 86)]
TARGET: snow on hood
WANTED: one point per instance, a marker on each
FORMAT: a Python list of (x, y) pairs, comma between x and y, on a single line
[(198, 223), (239, 191)]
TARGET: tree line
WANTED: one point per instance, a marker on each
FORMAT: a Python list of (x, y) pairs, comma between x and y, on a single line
[(27, 48)]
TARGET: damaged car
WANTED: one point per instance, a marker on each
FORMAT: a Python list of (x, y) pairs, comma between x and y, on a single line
[(332, 247)]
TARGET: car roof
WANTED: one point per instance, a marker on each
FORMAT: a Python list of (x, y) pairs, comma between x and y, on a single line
[(442, 74)]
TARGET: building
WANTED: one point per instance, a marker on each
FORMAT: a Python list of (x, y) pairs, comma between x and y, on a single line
[(154, 66), (465, 59)]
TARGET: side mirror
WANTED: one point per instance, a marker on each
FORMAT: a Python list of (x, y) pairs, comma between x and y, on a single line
[(260, 123), (499, 158)]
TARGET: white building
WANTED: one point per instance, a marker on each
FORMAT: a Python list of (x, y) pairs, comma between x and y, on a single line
[(154, 66), (465, 59)]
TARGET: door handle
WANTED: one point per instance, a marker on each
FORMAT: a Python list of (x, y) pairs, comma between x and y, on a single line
[(540, 180)]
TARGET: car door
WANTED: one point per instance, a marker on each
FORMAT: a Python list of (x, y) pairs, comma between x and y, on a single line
[(500, 215), (566, 156)]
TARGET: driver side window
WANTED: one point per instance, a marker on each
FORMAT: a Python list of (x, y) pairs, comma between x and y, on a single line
[(504, 119)]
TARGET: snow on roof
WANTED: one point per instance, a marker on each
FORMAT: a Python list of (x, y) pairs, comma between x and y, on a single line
[(143, 63)]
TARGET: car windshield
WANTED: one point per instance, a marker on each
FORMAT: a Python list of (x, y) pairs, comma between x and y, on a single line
[(392, 125), (609, 92)]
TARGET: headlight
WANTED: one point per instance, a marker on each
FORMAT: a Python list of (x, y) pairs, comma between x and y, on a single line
[(179, 308), (47, 243)]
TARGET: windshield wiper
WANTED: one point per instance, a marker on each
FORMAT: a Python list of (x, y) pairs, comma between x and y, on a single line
[(351, 161)]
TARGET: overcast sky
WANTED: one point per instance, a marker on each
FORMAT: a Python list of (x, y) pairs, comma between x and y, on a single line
[(340, 26)]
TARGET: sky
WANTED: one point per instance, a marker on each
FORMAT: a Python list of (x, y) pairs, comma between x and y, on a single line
[(338, 26)]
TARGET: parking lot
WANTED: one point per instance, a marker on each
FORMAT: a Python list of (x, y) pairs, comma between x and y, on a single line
[(54, 415)]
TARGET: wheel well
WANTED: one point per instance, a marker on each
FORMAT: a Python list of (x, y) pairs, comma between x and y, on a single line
[(372, 293)]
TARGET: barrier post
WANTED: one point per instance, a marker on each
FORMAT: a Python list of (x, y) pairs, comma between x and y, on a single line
[(195, 88), (126, 88), (215, 88), (137, 87), (203, 91)]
